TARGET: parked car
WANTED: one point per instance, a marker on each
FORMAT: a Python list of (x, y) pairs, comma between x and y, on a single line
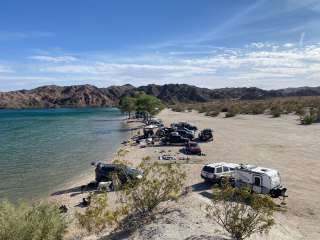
[(104, 172), (164, 131), (175, 138), (259, 180), (216, 172), (206, 135), (186, 134), (184, 125), (192, 148)]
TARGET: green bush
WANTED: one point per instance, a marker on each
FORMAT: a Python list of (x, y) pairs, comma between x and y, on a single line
[(307, 119), (241, 213), (310, 116), (39, 221), (160, 183)]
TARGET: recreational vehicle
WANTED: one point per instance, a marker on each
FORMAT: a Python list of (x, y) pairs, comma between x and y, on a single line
[(259, 180)]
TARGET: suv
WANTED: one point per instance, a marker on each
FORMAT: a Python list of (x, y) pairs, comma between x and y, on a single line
[(192, 148), (185, 134), (175, 138), (104, 172), (216, 172), (206, 135)]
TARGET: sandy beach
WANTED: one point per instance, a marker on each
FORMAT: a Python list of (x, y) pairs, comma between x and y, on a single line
[(279, 143)]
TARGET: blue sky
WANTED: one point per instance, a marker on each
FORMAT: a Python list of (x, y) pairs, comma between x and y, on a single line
[(263, 43)]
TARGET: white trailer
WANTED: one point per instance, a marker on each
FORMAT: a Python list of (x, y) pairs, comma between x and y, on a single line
[(259, 180)]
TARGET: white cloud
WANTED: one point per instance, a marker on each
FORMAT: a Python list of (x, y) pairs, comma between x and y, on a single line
[(288, 45), (57, 59), (286, 66)]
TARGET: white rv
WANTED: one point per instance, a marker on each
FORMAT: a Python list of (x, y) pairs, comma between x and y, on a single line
[(259, 180)]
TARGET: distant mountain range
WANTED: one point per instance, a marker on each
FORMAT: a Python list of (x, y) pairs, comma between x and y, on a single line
[(90, 96)]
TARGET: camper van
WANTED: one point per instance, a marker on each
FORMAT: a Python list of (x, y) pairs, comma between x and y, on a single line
[(259, 180)]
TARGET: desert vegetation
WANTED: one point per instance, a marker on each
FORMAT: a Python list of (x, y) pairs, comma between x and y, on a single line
[(308, 108), (241, 213), (37, 221), (138, 201)]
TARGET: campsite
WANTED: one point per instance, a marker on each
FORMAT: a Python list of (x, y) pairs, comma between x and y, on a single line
[(257, 140)]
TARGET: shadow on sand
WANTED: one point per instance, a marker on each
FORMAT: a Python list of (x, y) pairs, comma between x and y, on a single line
[(74, 191)]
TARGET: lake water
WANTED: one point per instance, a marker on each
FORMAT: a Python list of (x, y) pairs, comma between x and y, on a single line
[(42, 149)]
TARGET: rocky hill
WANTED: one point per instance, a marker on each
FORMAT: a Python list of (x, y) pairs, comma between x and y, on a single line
[(90, 96)]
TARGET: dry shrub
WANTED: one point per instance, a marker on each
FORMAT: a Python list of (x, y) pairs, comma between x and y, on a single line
[(310, 116), (232, 112), (285, 104), (212, 113), (275, 111), (241, 213), (37, 221), (99, 215)]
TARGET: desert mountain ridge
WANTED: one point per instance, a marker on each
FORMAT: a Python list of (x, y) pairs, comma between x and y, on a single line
[(53, 96)]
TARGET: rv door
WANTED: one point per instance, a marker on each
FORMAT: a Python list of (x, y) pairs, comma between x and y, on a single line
[(257, 182)]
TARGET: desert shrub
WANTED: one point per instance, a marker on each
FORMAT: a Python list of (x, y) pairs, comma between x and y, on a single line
[(160, 182), (241, 213), (137, 201), (212, 113), (275, 111), (232, 112), (307, 119), (178, 108), (310, 116), (99, 214), (38, 221), (146, 158), (257, 109)]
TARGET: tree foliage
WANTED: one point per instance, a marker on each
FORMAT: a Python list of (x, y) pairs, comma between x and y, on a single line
[(241, 213), (141, 102), (128, 104), (39, 221)]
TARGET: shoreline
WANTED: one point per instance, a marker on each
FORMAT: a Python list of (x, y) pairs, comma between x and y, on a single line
[(60, 193)]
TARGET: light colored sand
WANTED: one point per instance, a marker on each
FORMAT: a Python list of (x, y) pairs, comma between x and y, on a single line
[(271, 142)]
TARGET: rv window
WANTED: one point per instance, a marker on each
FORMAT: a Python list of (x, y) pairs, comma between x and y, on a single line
[(257, 181), (225, 169), (219, 170)]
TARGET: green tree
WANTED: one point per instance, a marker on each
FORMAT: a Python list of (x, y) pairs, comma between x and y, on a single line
[(149, 104), (128, 105), (241, 213)]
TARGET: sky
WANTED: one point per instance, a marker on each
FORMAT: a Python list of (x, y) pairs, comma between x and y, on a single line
[(268, 44)]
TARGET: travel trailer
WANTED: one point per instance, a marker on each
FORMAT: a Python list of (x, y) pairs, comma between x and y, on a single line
[(259, 180)]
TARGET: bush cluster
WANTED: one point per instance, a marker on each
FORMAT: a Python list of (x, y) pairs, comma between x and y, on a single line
[(240, 212), (274, 106), (39, 221)]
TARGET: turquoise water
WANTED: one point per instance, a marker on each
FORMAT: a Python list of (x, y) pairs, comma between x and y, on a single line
[(42, 149)]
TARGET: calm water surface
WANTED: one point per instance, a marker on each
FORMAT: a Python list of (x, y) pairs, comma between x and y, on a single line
[(42, 149)]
